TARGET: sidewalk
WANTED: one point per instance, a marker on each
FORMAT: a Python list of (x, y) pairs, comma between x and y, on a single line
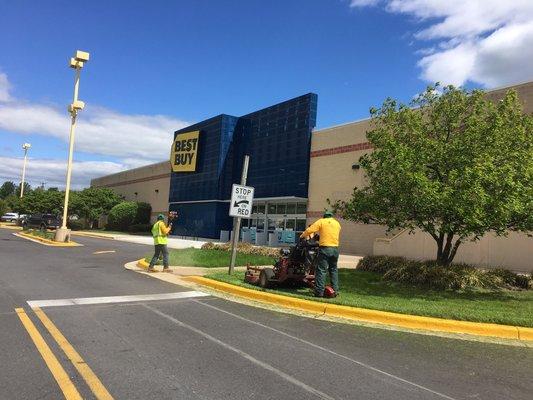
[(345, 260)]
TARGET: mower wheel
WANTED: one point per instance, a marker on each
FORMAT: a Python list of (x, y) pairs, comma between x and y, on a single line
[(265, 276)]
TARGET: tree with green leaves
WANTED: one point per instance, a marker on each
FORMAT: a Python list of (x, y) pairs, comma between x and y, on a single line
[(41, 201), (92, 202), (3, 207), (452, 164), (8, 188), (27, 189)]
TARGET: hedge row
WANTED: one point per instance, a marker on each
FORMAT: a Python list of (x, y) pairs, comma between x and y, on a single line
[(435, 276)]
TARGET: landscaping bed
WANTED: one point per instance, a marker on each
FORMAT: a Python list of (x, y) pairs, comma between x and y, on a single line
[(192, 257), (369, 290), (49, 235)]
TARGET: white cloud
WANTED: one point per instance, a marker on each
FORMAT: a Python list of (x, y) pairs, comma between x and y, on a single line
[(4, 88), (99, 131), (485, 41), (53, 172), (363, 3), (134, 140)]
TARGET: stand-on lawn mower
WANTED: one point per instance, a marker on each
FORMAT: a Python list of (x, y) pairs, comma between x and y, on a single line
[(295, 267)]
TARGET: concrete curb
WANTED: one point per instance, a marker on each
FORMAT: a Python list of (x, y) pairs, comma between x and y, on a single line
[(93, 235), (373, 316), (46, 242), (188, 271), (12, 227)]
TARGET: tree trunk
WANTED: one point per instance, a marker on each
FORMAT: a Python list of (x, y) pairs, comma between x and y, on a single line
[(446, 248)]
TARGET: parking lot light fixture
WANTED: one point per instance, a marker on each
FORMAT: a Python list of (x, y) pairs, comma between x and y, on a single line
[(76, 62), (25, 146)]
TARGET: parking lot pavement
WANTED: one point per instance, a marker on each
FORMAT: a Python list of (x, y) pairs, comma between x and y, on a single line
[(134, 337)]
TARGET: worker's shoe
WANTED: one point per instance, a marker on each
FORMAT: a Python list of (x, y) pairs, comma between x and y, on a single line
[(167, 270), (150, 269)]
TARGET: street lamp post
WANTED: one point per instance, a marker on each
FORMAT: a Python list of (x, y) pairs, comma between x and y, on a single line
[(81, 57), (25, 146)]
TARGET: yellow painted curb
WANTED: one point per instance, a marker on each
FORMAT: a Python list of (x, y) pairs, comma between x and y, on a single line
[(373, 316), (12, 227), (92, 235), (46, 241)]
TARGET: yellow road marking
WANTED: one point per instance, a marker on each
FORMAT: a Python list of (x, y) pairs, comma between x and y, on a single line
[(59, 374), (104, 251), (85, 371)]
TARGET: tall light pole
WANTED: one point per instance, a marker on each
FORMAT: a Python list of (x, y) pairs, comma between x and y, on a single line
[(25, 146), (81, 57)]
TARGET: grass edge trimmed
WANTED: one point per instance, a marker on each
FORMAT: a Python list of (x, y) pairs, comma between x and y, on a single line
[(46, 241), (373, 316)]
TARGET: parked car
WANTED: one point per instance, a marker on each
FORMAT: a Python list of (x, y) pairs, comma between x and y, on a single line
[(42, 221), (9, 217)]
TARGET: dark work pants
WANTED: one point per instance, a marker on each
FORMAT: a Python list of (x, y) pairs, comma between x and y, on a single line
[(326, 263), (160, 248)]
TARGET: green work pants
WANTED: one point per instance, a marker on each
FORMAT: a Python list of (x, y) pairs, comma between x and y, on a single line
[(326, 263)]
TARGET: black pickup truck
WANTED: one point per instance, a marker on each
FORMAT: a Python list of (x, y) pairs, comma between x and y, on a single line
[(42, 221)]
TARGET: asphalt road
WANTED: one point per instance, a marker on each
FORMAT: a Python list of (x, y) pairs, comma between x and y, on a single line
[(210, 348)]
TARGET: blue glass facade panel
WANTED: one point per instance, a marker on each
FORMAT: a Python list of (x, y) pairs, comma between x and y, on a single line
[(278, 140)]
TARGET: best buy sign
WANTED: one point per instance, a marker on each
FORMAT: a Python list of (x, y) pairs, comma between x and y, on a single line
[(184, 152)]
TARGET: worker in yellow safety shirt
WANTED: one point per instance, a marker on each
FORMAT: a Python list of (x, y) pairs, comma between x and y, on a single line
[(329, 230), (160, 233)]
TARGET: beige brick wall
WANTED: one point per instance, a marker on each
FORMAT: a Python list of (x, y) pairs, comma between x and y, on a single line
[(333, 152), (150, 184)]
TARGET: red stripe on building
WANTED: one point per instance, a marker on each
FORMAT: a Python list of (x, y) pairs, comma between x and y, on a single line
[(341, 149)]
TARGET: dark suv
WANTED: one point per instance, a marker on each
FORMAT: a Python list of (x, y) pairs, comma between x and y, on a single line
[(42, 221)]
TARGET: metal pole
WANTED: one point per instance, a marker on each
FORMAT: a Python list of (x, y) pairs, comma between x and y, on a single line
[(71, 148), (237, 220), (23, 172)]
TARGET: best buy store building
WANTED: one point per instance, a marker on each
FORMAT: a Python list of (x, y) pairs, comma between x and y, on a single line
[(294, 170)]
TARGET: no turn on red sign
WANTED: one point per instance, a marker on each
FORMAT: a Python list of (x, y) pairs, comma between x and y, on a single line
[(242, 198)]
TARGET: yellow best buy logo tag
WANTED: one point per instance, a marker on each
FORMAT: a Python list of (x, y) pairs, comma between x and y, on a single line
[(184, 152)]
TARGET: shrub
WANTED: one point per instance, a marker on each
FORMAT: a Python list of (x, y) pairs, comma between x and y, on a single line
[(243, 248), (144, 211), (433, 275), (140, 228), (75, 225), (379, 264), (122, 215)]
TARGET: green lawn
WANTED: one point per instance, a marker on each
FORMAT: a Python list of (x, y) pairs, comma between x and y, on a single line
[(192, 257), (368, 290)]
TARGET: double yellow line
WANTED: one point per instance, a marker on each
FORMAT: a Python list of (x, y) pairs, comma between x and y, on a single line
[(60, 375)]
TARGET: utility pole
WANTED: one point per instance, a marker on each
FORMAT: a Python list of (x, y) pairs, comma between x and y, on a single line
[(77, 62), (25, 146), (237, 220)]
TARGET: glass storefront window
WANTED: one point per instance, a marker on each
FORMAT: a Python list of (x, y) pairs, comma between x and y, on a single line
[(260, 208), (291, 208), (280, 223), (300, 225), (271, 224), (281, 209), (254, 209), (290, 224), (271, 208), (261, 224), (254, 223), (301, 208)]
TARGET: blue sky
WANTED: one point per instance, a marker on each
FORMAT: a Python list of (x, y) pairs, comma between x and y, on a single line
[(157, 66)]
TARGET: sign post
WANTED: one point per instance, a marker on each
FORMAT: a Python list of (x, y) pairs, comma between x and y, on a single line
[(242, 198)]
